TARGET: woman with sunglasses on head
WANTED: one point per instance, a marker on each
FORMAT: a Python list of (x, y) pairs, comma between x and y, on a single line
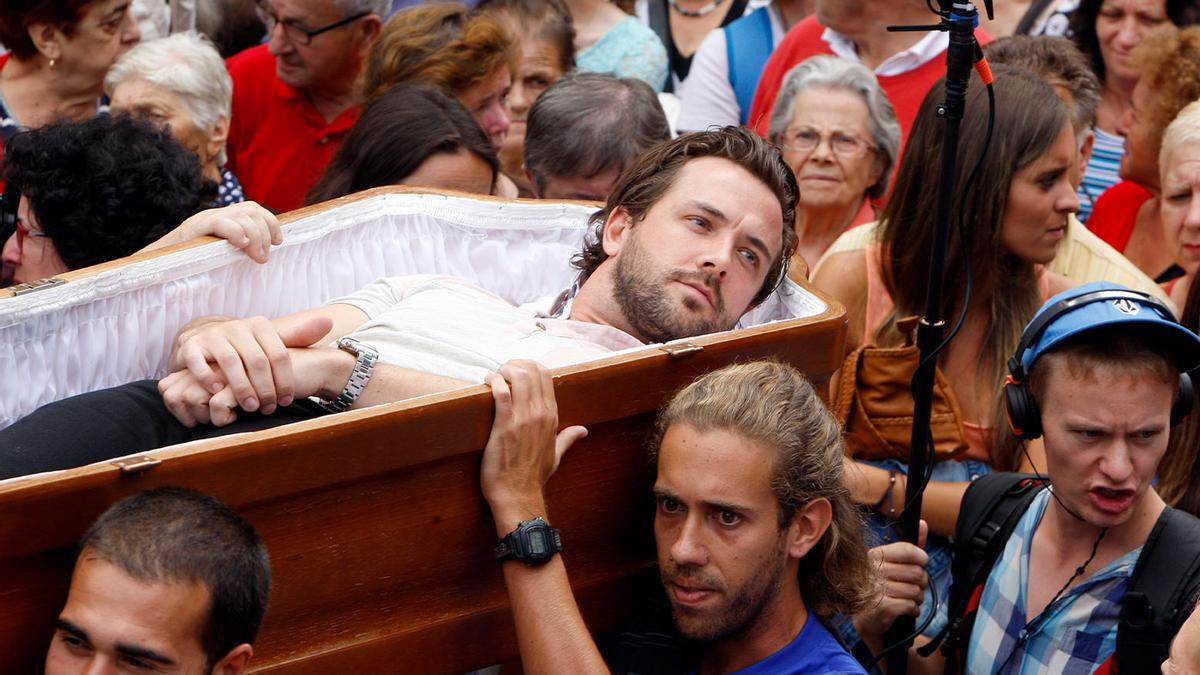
[(838, 132)]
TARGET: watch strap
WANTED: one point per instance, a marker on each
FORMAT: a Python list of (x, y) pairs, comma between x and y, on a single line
[(513, 545), (364, 365)]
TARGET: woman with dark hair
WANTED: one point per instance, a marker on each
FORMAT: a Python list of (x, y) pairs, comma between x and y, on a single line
[(59, 51), (411, 135), (89, 192), (1015, 215), (546, 39), (1108, 31)]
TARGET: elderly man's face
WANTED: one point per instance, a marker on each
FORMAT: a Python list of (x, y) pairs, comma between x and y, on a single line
[(331, 60)]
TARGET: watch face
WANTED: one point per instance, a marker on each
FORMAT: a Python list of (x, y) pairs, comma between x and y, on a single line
[(537, 543)]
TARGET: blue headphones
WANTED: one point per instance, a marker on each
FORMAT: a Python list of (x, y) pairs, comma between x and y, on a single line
[(1120, 306)]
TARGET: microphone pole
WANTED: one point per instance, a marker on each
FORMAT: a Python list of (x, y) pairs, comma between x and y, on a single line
[(958, 18)]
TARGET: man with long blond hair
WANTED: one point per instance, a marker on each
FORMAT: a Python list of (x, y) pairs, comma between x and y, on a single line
[(759, 542)]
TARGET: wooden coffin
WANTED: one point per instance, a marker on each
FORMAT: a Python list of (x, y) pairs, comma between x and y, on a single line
[(379, 537)]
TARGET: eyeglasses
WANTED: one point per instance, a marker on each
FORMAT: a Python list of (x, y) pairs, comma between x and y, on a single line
[(23, 231), (806, 139), (295, 34)]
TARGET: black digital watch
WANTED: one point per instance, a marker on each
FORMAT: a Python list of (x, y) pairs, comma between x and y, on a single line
[(534, 542)]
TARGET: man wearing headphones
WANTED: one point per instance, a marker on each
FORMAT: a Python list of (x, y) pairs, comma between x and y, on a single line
[(1065, 573)]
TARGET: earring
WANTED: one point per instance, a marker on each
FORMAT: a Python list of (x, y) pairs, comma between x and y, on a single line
[(52, 63)]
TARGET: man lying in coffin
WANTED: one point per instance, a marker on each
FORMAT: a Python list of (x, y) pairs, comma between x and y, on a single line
[(697, 232)]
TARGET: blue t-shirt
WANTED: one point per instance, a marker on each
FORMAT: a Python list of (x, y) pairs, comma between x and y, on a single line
[(814, 650)]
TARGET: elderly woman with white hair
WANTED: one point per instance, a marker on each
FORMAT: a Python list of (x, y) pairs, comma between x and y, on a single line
[(839, 134), (180, 83), (1179, 171)]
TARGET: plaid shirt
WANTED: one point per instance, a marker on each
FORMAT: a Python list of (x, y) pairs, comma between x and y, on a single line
[(1075, 634)]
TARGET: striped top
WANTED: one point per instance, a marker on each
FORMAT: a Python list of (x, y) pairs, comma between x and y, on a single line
[(1101, 172)]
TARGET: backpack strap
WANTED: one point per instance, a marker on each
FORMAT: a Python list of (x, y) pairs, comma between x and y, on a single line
[(1161, 592), (660, 23), (990, 511), (748, 44)]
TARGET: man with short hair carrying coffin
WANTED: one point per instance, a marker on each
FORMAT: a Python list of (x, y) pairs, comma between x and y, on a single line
[(695, 234), (168, 580), (758, 540), (1085, 569)]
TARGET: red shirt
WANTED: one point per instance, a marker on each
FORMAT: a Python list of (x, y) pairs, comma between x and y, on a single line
[(4, 115), (905, 91), (279, 144), (1115, 213)]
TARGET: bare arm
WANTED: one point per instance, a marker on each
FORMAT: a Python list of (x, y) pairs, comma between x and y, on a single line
[(254, 357), (939, 505), (844, 276), (521, 455), (247, 226), (319, 371)]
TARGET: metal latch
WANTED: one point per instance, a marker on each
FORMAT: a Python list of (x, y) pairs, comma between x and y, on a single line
[(131, 466), (32, 286), (679, 350)]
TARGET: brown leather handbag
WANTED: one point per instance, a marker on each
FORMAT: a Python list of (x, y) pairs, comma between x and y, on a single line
[(874, 403)]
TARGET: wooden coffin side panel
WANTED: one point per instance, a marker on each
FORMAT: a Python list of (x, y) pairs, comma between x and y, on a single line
[(380, 540)]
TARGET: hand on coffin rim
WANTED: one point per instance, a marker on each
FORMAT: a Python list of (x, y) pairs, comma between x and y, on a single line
[(246, 226), (525, 445)]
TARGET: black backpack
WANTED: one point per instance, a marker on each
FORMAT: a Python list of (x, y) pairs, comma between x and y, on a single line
[(1162, 589)]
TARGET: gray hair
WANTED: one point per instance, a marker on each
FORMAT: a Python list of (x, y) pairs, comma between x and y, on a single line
[(834, 73), (586, 123), (1058, 63), (1185, 128), (352, 7), (186, 64)]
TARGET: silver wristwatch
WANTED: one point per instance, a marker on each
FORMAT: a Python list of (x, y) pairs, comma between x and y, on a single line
[(363, 367)]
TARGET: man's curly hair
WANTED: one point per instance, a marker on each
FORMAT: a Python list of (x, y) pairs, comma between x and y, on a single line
[(105, 188)]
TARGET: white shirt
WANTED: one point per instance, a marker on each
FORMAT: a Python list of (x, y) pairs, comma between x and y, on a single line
[(706, 96), (446, 326), (928, 48)]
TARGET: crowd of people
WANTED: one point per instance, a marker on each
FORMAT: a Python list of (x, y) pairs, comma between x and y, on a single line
[(731, 145)]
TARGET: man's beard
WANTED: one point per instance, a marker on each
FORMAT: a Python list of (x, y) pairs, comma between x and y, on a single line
[(742, 605), (650, 310)]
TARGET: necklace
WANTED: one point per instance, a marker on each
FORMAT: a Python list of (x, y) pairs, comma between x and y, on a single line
[(695, 13), (1035, 624)]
